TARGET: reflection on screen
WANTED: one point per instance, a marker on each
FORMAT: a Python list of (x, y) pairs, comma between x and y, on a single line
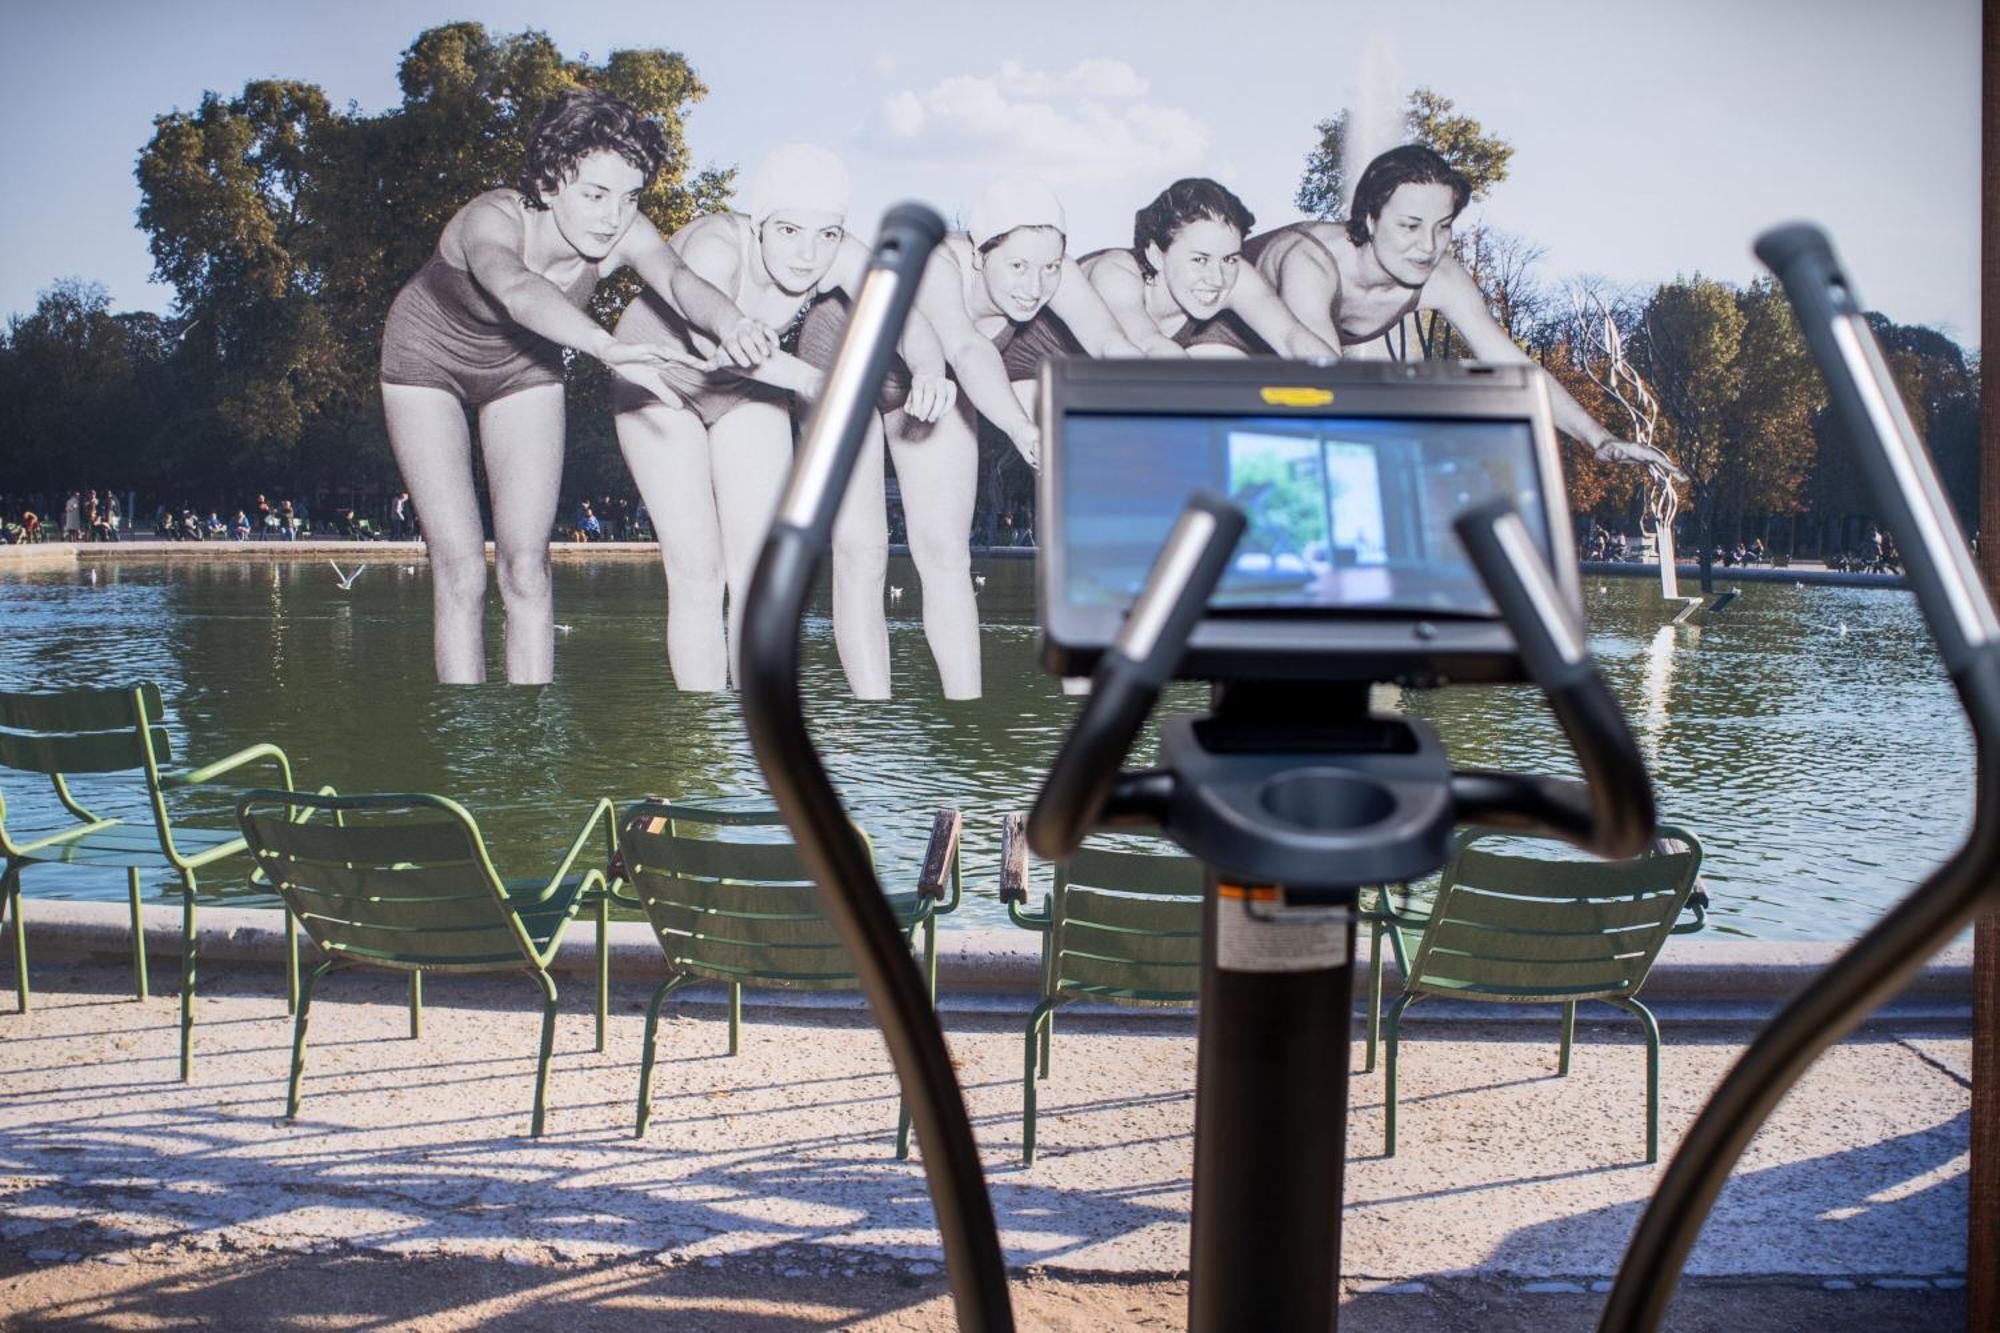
[(1346, 512)]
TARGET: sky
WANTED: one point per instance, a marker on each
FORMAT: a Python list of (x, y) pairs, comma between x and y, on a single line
[(1651, 140)]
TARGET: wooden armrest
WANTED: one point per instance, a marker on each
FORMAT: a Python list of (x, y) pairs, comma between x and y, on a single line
[(1014, 859), (940, 854)]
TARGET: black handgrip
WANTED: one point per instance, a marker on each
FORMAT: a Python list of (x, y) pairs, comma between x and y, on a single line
[(1610, 812), (849, 893), (831, 440), (1904, 484), (1131, 674)]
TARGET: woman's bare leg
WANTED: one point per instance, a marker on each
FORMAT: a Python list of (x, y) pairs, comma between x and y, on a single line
[(433, 448), (860, 569), (750, 456), (666, 450), (521, 437), (937, 468)]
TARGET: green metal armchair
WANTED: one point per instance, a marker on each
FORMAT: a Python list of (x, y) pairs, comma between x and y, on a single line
[(404, 882), (67, 733), (1517, 929), (742, 912), (1119, 926)]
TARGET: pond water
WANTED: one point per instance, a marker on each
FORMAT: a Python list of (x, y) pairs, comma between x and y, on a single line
[(1807, 734)]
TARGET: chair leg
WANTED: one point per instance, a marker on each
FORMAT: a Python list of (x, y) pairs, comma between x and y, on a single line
[(188, 888), (735, 1017), (548, 1049), (1652, 1027), (139, 985), (660, 995), (1569, 1035), (416, 1005), (603, 964), (10, 892), (1038, 1024), (1391, 1032), (299, 1038), (291, 961), (1374, 995)]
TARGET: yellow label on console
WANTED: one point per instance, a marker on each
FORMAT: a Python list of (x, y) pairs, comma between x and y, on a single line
[(1285, 395)]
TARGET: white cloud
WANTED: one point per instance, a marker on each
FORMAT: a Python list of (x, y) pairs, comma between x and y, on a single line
[(1091, 122)]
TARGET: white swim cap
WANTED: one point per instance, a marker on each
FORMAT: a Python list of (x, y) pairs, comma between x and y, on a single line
[(1010, 202), (797, 175)]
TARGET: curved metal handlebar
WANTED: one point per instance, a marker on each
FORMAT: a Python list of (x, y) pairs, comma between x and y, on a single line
[(1131, 675), (1881, 962), (1610, 812), (849, 893)]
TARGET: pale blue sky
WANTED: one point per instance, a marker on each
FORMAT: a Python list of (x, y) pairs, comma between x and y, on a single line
[(1651, 139)]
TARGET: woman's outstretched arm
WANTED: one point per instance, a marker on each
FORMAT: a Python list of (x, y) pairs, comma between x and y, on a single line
[(1260, 306), (1079, 306), (1452, 293)]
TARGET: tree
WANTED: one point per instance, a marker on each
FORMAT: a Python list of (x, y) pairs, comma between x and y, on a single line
[(1428, 119), (1736, 394), (286, 229)]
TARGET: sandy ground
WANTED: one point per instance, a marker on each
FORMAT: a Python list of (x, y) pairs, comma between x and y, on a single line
[(767, 1195)]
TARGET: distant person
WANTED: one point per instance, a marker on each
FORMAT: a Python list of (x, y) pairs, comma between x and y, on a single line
[(483, 325), (72, 518), (399, 516), (239, 527)]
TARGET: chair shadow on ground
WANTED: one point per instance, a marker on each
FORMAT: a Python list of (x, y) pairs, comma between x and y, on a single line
[(475, 1184)]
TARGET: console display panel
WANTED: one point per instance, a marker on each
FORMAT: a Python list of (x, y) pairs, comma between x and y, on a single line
[(1346, 513)]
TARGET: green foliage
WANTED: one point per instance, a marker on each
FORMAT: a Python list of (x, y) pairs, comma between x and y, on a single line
[(286, 227), (1428, 119)]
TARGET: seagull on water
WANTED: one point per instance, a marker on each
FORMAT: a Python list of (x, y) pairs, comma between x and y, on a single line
[(346, 579), (895, 593)]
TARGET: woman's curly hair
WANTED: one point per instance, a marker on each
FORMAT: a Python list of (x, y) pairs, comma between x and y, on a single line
[(1183, 202), (580, 123)]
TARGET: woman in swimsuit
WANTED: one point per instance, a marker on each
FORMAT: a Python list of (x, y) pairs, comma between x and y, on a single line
[(1351, 283), (712, 471), (1183, 288), (982, 292), (483, 325)]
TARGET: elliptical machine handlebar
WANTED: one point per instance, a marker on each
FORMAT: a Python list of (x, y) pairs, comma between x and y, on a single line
[(1892, 458), (849, 892), (1609, 813), (1900, 475), (1130, 676)]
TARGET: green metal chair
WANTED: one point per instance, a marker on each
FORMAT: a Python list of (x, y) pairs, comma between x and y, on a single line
[(403, 881), (1516, 929), (733, 905), (1120, 926), (67, 733)]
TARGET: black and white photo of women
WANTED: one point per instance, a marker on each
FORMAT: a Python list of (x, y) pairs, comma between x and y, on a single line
[(987, 293), (710, 450), (1183, 287), (482, 326), (1352, 282)]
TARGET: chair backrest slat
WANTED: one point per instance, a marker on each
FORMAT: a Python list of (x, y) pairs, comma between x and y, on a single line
[(1528, 877), (1134, 872), (733, 910), (1577, 915), (1507, 926), (416, 841), (1128, 924), (405, 881), (88, 709), (79, 751), (1154, 981)]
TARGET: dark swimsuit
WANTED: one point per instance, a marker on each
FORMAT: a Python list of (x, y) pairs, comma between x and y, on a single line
[(714, 394), (445, 331)]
